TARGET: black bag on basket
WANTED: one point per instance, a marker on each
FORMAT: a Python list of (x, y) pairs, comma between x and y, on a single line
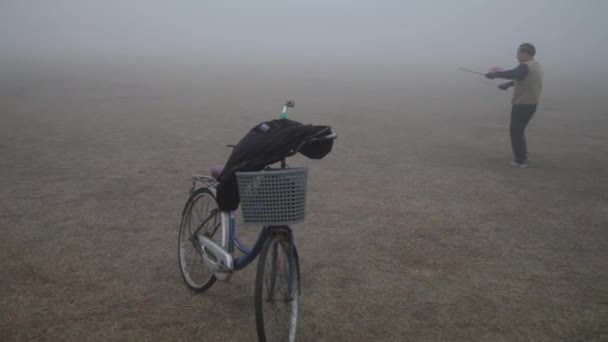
[(266, 144)]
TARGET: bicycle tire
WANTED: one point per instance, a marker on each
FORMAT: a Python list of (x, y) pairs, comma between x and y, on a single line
[(272, 290), (195, 273)]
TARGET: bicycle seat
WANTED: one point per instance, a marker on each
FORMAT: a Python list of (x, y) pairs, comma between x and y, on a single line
[(216, 171)]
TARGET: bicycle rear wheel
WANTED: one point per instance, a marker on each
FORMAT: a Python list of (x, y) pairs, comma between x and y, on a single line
[(277, 290), (200, 218)]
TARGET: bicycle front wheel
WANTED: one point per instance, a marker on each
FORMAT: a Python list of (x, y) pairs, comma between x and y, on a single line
[(200, 218), (277, 290)]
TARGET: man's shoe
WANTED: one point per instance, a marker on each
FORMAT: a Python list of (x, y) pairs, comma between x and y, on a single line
[(523, 165)]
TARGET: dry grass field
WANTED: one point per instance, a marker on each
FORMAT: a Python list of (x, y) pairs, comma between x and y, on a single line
[(416, 230)]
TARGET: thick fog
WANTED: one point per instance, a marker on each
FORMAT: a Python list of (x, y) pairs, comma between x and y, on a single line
[(570, 35)]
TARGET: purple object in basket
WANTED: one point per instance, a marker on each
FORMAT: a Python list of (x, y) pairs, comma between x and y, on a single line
[(216, 171)]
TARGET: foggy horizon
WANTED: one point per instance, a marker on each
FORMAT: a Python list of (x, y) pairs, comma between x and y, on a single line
[(408, 34)]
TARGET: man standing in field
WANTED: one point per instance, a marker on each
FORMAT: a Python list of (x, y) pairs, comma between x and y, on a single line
[(527, 80)]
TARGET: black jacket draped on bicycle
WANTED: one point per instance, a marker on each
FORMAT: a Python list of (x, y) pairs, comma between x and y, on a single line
[(265, 144)]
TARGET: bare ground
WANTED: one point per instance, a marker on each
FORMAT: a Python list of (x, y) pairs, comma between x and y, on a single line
[(416, 228)]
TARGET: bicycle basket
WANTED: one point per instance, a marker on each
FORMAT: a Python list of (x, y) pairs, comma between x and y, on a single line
[(273, 197)]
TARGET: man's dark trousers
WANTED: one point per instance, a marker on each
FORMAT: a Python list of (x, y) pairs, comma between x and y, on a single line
[(520, 116)]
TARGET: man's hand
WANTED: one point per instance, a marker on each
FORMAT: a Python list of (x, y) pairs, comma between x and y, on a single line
[(504, 86), (491, 75)]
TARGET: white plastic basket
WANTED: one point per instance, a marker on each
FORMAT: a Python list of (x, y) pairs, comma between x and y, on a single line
[(273, 197)]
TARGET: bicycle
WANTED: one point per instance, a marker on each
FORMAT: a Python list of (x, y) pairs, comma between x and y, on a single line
[(273, 198)]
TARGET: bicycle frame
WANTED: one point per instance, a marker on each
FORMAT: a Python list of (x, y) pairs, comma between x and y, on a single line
[(229, 239), (249, 254)]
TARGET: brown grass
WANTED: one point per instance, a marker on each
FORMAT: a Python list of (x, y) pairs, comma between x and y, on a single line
[(416, 228)]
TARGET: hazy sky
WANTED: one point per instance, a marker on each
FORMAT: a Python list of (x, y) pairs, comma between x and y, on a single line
[(568, 33)]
